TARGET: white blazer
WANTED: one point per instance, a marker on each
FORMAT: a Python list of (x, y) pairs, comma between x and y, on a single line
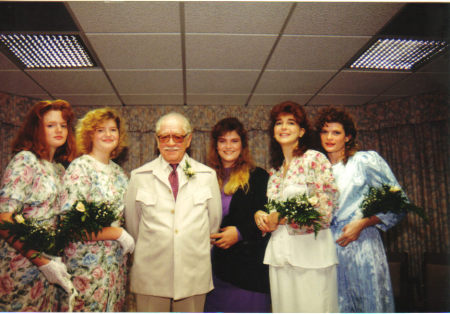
[(172, 255)]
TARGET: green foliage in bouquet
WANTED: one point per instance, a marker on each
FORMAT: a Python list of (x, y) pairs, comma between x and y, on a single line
[(297, 210), (387, 198), (33, 235), (83, 219)]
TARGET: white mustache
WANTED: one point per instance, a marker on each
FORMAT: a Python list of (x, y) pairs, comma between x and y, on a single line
[(171, 149)]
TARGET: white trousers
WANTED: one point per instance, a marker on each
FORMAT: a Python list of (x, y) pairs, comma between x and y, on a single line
[(149, 303), (303, 290)]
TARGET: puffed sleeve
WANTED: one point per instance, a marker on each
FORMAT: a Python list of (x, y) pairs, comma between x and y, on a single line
[(378, 172), (323, 187), (214, 205), (18, 179), (76, 184)]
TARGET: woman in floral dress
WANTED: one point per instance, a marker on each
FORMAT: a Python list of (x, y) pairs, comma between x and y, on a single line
[(364, 284), (302, 266), (98, 267), (31, 185)]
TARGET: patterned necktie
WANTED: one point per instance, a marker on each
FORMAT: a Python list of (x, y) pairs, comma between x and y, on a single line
[(173, 179)]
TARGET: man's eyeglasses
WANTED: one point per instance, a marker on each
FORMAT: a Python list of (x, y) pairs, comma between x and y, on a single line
[(176, 138)]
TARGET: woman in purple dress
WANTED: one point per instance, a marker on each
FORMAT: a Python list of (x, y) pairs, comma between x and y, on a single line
[(241, 279)]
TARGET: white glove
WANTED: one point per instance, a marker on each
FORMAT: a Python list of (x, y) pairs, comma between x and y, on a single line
[(126, 241), (56, 272)]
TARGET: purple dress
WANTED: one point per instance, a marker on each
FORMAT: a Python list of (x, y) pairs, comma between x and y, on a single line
[(227, 297)]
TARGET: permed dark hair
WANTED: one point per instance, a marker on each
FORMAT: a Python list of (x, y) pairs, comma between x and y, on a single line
[(338, 115)]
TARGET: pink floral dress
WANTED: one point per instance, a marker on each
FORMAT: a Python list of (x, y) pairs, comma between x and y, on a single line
[(297, 251), (34, 184), (98, 268)]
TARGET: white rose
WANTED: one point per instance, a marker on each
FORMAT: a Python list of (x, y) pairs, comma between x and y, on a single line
[(19, 219), (394, 189), (313, 200), (80, 207)]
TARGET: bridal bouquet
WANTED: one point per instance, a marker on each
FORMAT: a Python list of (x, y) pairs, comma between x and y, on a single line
[(387, 198), (299, 211), (35, 236), (83, 219)]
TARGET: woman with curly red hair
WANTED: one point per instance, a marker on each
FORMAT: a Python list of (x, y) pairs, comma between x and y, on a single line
[(30, 188), (302, 265), (98, 266)]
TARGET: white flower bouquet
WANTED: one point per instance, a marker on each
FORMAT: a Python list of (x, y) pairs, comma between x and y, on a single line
[(83, 219), (33, 234), (387, 198), (299, 211)]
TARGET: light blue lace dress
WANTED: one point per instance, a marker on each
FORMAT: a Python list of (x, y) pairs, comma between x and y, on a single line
[(364, 283)]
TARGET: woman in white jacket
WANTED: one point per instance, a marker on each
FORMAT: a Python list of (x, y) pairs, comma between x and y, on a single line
[(302, 266)]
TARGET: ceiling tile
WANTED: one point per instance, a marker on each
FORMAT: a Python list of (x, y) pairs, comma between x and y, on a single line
[(90, 99), (362, 82), (419, 83), (227, 51), (220, 82), (235, 17), (219, 99), (147, 82), (440, 64), (17, 82), (138, 51), (127, 16), (315, 53), (73, 81), (153, 99), (383, 98), (270, 100), (6, 64), (331, 99), (292, 82), (340, 18)]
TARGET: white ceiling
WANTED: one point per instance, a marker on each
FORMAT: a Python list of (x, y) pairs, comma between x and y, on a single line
[(225, 53)]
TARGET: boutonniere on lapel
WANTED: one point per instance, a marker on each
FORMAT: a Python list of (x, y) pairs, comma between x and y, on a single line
[(187, 169)]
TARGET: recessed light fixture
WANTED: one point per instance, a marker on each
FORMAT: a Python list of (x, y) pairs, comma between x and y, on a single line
[(47, 51), (398, 54)]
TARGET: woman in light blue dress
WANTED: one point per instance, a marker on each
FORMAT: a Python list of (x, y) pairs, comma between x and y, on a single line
[(364, 283)]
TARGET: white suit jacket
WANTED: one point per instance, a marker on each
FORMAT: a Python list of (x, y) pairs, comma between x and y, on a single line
[(172, 255)]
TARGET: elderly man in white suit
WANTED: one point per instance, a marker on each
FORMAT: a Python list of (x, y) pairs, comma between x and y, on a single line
[(171, 223)]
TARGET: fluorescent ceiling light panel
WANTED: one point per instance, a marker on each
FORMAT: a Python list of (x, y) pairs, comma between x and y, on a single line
[(47, 51), (398, 54)]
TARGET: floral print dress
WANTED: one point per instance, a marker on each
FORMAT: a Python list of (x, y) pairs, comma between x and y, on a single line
[(34, 185), (310, 261), (98, 268)]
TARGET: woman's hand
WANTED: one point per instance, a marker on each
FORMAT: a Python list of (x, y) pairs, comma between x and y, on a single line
[(127, 242), (266, 222), (226, 238), (352, 230)]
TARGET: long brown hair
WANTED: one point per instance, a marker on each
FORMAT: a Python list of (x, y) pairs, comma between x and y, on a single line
[(338, 115), (31, 136), (299, 113), (241, 171)]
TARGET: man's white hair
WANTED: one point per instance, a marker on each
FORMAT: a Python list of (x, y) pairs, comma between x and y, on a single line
[(186, 125)]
